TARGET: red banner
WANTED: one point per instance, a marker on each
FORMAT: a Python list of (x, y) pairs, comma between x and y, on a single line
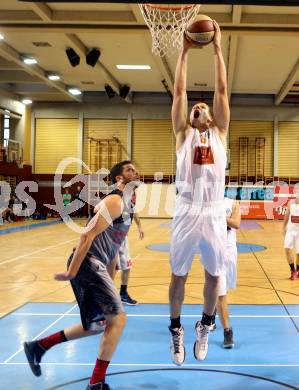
[(274, 209), (253, 209)]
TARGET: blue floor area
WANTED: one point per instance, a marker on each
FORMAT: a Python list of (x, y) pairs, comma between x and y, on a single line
[(29, 226), (250, 225), (265, 354), (242, 248)]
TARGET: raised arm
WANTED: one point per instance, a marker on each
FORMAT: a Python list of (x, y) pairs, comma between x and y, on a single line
[(110, 208), (220, 105), (179, 105)]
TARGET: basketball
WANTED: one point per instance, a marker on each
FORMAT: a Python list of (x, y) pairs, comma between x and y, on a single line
[(201, 30)]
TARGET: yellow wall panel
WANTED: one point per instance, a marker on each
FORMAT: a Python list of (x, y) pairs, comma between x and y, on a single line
[(55, 139), (252, 130), (154, 146), (288, 149)]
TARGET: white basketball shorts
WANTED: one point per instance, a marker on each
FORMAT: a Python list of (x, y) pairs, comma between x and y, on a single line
[(195, 230), (228, 279), (291, 240), (124, 258)]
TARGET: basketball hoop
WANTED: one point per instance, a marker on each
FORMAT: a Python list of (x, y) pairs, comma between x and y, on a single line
[(167, 23)]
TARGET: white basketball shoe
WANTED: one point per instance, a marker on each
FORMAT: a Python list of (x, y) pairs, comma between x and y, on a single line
[(201, 344), (177, 348)]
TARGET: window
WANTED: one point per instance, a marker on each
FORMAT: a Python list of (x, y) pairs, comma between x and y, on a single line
[(6, 129)]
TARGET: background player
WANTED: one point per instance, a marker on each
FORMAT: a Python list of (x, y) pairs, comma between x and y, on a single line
[(291, 235), (228, 277)]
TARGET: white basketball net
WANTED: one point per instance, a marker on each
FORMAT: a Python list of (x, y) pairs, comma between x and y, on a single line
[(167, 23)]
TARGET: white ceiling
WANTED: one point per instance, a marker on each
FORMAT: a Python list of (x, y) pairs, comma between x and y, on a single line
[(259, 60), (263, 63)]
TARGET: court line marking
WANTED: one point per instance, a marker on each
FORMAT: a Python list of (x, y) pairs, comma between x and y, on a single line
[(158, 315), (43, 331), (38, 251), (156, 365), (27, 227), (47, 257)]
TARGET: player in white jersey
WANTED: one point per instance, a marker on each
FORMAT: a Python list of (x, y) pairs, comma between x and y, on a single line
[(124, 264), (228, 278), (199, 221), (291, 233)]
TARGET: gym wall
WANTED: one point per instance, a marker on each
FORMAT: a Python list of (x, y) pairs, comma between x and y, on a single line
[(245, 121)]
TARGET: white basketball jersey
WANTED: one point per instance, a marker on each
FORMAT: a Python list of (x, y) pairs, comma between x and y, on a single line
[(293, 222), (201, 162), (231, 232)]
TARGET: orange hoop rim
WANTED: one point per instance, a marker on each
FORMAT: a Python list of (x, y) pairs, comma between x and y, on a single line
[(165, 8)]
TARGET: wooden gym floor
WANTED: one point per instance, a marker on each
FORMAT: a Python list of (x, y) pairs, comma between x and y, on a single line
[(29, 258)]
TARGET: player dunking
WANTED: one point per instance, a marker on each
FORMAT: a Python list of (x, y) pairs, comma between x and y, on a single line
[(199, 221), (94, 289)]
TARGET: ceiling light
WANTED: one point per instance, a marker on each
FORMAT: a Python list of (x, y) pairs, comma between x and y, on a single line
[(1, 36), (53, 76), (27, 101), (29, 61), (133, 67), (75, 91)]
